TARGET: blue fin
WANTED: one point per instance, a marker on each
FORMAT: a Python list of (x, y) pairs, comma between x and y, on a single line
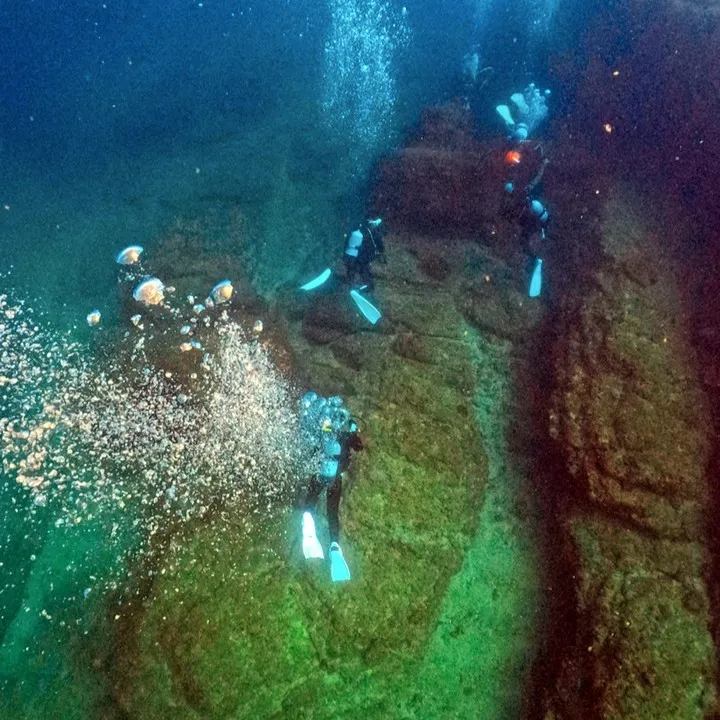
[(536, 280), (504, 112), (318, 281), (371, 313), (339, 571)]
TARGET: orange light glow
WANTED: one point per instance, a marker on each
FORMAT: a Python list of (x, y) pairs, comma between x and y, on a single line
[(513, 157)]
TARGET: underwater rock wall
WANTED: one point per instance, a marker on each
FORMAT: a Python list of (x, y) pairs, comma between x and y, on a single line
[(438, 183), (630, 425), (649, 70)]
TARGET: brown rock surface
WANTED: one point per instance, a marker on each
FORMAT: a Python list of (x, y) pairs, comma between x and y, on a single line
[(630, 424), (446, 182)]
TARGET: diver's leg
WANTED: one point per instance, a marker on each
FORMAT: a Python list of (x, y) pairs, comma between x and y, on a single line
[(350, 268), (313, 494), (333, 509), (366, 278), (339, 570)]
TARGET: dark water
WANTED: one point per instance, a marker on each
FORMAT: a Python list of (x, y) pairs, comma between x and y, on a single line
[(149, 560)]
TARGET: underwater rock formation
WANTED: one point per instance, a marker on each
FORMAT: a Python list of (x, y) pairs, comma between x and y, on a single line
[(420, 378), (252, 603), (631, 430), (442, 182), (442, 605)]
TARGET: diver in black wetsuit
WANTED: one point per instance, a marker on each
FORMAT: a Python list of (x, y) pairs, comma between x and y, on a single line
[(364, 245), (337, 453), (335, 464), (531, 212)]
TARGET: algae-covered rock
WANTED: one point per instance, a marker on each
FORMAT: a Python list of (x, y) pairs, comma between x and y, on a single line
[(234, 623), (630, 425), (648, 642), (629, 413), (220, 633)]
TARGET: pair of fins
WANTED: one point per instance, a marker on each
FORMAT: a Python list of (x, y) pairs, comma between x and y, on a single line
[(372, 314), (369, 311), (517, 99), (312, 550)]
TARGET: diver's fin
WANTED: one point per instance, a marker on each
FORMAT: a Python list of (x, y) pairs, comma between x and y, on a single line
[(339, 571), (504, 112), (536, 280), (518, 99), (371, 313), (312, 549), (318, 281)]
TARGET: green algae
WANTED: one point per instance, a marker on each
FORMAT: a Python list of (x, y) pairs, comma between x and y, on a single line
[(221, 634), (478, 660), (410, 516), (273, 636), (440, 618)]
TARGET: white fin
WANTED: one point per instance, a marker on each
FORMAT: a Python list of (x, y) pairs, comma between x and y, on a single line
[(312, 550), (504, 112), (519, 100), (536, 280)]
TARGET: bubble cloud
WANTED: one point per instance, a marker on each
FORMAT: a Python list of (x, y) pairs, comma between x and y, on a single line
[(111, 434)]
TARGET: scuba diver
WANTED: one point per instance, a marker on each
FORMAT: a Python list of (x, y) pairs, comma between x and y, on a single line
[(529, 111), (525, 169), (526, 205), (471, 66), (534, 222), (364, 245), (474, 76), (339, 438)]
